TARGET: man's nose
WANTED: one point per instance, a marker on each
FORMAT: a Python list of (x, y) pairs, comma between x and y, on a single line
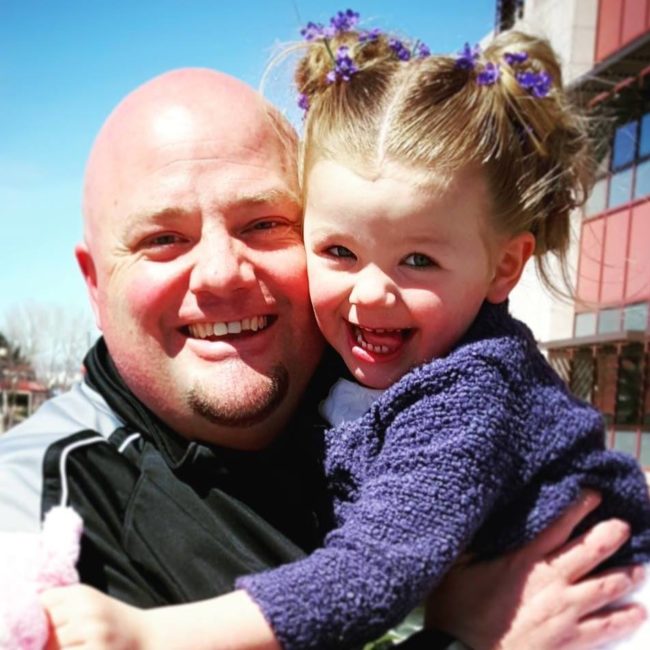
[(221, 265), (373, 288)]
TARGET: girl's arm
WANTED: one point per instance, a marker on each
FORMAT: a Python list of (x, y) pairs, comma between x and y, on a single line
[(534, 597), (83, 618)]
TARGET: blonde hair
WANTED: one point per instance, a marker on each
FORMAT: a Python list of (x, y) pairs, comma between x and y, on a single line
[(431, 114)]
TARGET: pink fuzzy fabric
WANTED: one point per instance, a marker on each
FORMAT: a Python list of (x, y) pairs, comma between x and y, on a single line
[(30, 563)]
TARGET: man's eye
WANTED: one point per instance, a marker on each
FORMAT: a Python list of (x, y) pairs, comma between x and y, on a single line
[(267, 224), (166, 239), (339, 251), (418, 260)]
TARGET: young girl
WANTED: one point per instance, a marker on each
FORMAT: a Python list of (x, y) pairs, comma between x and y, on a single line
[(429, 182)]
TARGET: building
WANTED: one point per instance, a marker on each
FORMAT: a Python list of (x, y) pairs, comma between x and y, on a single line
[(18, 400), (600, 342), (20, 393)]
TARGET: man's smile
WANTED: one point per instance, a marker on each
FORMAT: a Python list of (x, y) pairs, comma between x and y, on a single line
[(219, 329)]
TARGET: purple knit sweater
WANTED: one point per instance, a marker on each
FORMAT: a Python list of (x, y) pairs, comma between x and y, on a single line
[(477, 451)]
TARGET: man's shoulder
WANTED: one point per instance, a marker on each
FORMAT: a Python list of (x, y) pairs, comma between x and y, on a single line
[(23, 450)]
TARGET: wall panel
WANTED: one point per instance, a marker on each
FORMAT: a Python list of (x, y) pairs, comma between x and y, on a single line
[(614, 258), (634, 17), (638, 267), (610, 14), (591, 251)]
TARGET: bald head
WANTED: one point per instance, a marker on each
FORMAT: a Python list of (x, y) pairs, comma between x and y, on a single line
[(165, 118)]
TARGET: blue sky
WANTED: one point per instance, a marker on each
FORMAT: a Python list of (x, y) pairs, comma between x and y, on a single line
[(64, 64)]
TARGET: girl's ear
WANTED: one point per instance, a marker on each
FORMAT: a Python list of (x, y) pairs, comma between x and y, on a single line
[(511, 260)]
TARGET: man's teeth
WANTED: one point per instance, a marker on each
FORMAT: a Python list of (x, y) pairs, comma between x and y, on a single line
[(370, 347), (204, 330)]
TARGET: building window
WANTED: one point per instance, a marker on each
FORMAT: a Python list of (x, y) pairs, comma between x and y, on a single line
[(624, 148), (620, 189), (585, 324), (508, 12), (644, 454), (605, 385), (609, 320), (642, 180), (635, 317), (644, 140), (625, 441), (581, 376), (629, 384), (625, 172)]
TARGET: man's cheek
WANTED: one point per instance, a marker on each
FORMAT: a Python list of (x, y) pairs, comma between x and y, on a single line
[(150, 297)]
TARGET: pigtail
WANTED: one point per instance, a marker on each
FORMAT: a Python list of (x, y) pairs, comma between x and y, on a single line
[(554, 152)]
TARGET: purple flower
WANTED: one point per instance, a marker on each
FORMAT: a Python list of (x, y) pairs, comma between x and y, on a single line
[(514, 58), (344, 21), (421, 50), (538, 84), (402, 52), (489, 75), (467, 57), (312, 31), (370, 35), (344, 66), (303, 101)]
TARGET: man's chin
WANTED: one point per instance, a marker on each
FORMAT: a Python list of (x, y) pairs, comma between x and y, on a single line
[(245, 402)]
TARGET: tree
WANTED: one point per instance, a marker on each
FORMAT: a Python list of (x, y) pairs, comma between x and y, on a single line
[(52, 338)]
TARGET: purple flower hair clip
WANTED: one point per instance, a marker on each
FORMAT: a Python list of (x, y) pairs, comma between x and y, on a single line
[(515, 58), (466, 59), (303, 102), (344, 66), (489, 75), (313, 31), (421, 50), (401, 51), (538, 84), (369, 36), (344, 21)]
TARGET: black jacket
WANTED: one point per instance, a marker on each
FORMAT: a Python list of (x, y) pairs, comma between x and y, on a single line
[(165, 520)]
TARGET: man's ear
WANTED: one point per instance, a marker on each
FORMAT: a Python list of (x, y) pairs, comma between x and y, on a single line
[(511, 260), (87, 267)]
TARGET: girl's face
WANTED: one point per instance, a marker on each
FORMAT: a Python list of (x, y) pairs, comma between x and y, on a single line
[(397, 273)]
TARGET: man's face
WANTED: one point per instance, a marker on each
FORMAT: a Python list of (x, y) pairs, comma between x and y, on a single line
[(201, 288)]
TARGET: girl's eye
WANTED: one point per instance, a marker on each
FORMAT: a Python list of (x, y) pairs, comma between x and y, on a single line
[(339, 251), (418, 260)]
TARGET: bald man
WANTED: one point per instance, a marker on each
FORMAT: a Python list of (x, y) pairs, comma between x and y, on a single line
[(189, 449)]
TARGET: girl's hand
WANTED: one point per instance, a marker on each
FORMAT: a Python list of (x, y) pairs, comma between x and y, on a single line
[(83, 618), (538, 597)]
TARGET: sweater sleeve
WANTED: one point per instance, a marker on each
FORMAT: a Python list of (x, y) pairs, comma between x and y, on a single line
[(442, 462)]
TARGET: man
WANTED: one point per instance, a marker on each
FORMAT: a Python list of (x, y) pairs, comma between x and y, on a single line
[(187, 450)]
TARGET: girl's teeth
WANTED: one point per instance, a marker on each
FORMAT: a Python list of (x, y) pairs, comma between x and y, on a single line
[(378, 349)]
